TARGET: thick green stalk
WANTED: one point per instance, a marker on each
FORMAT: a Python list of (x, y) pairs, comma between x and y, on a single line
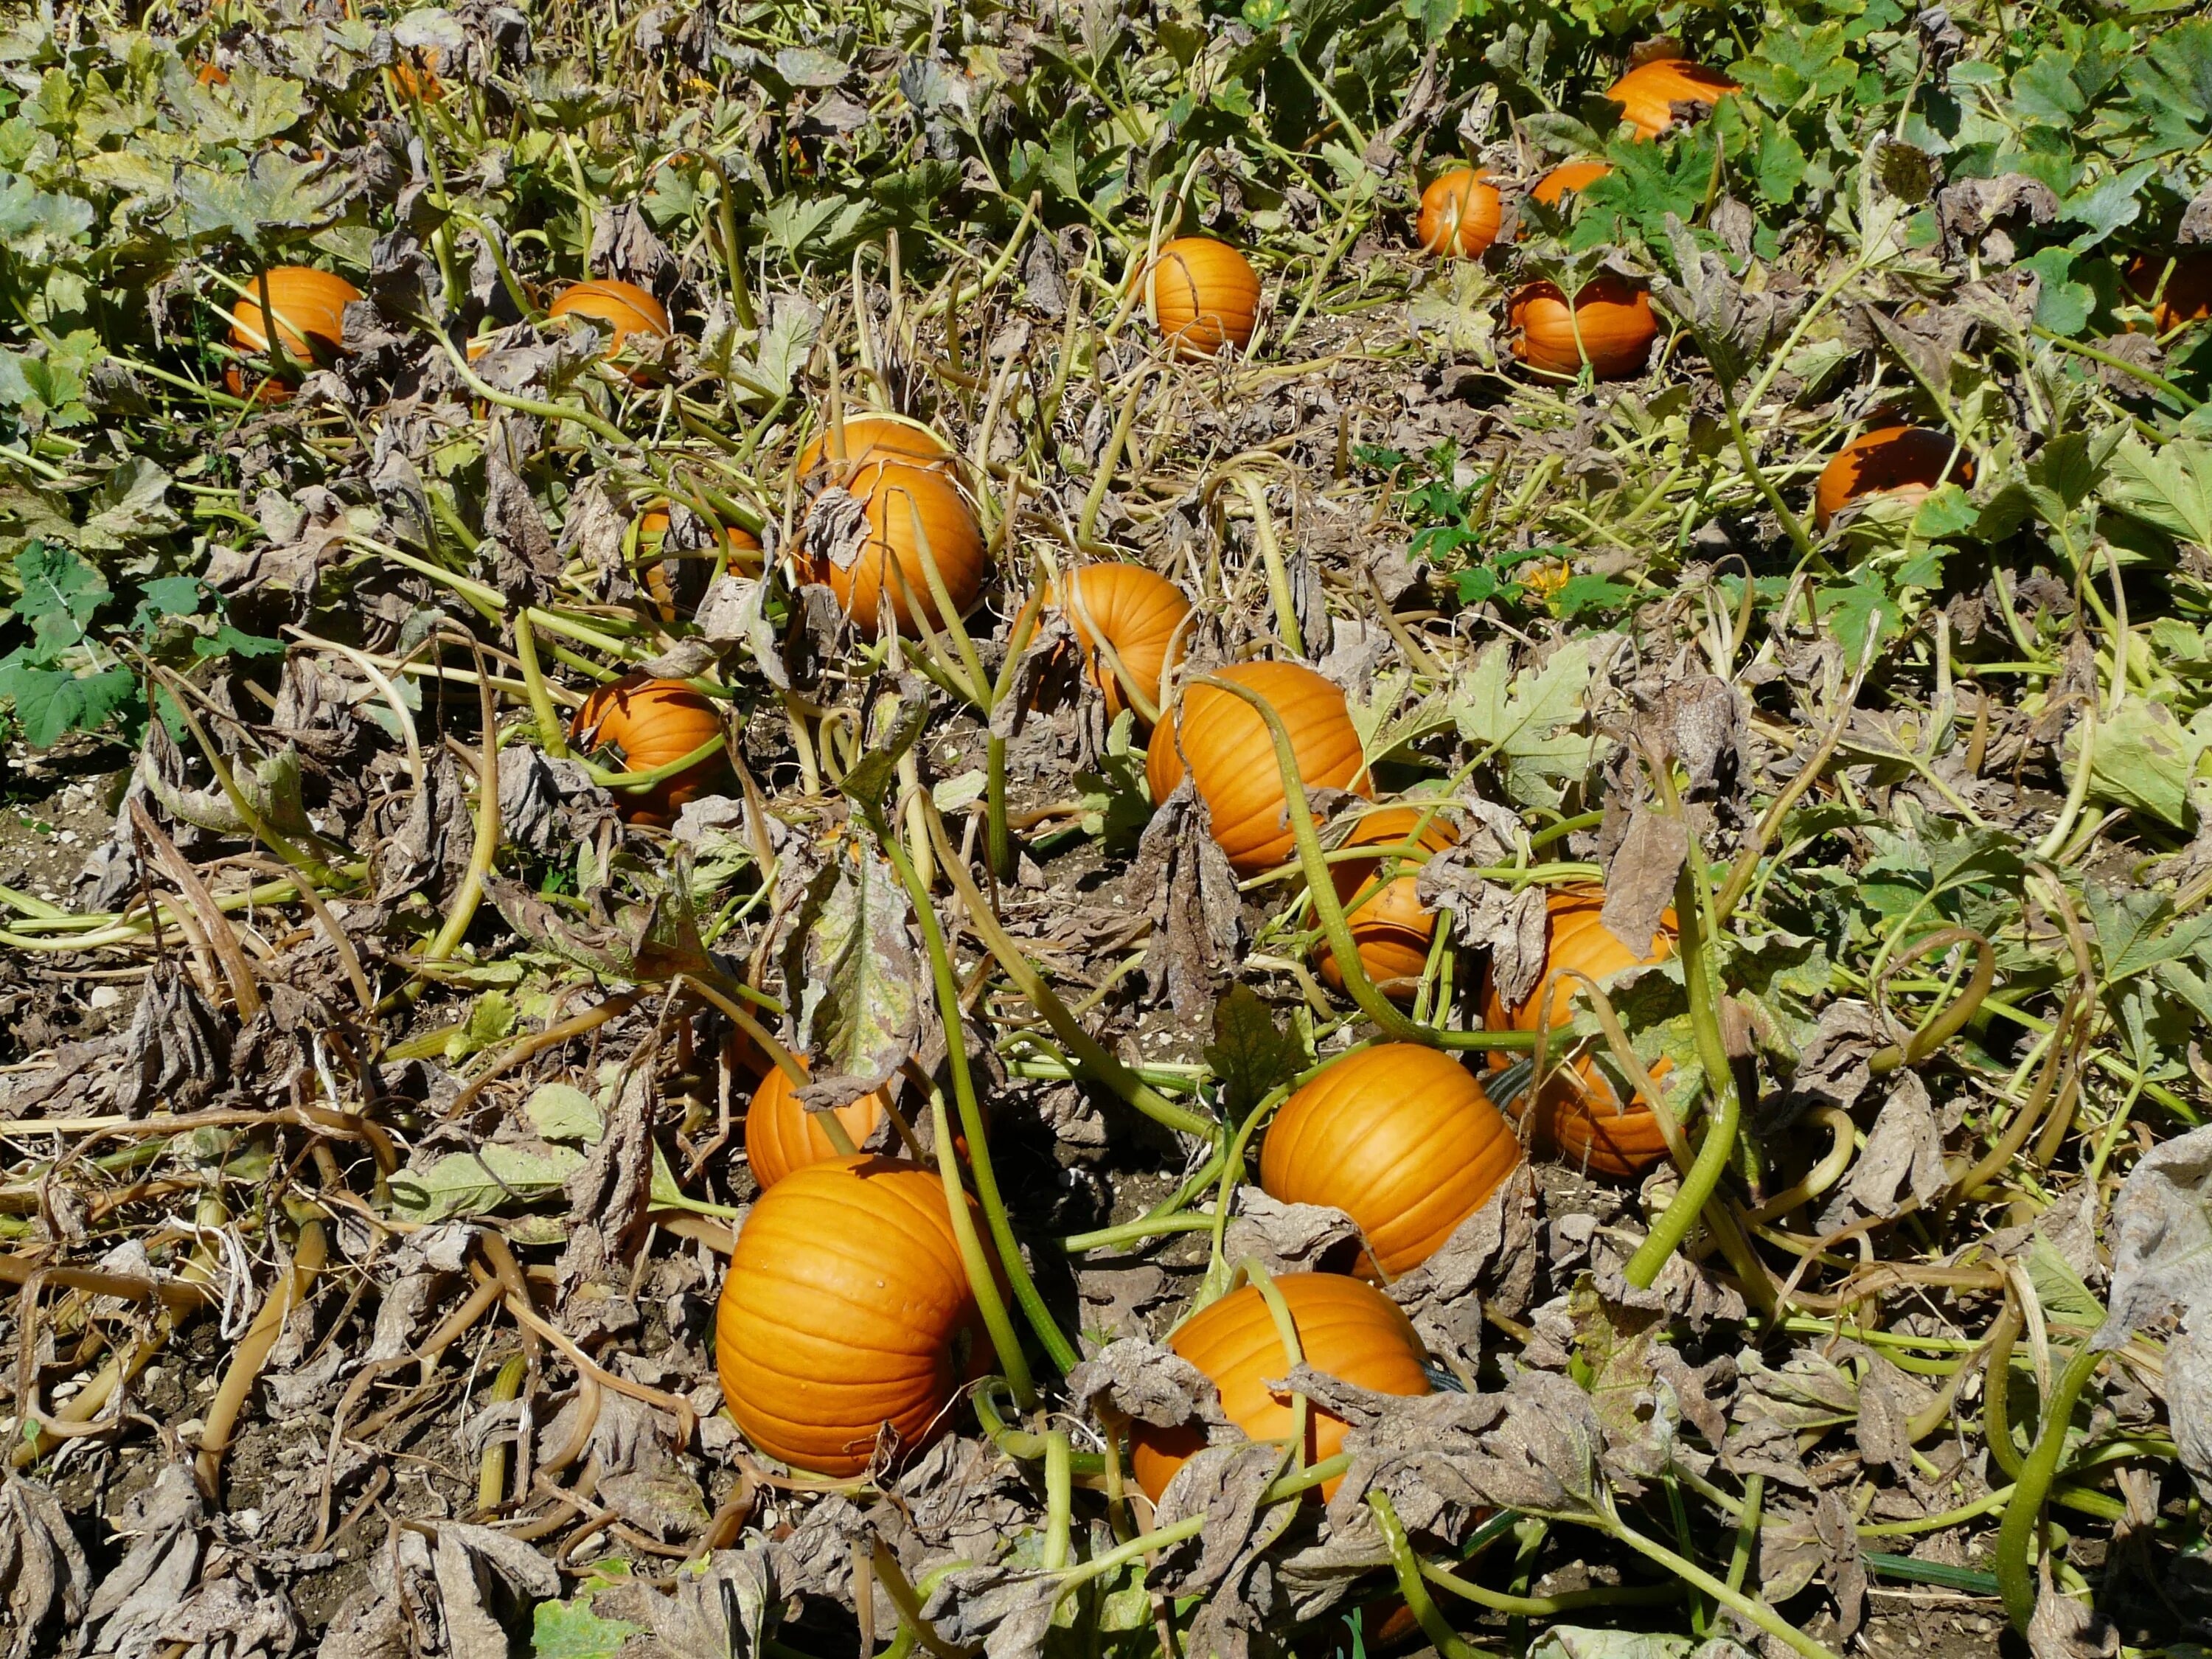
[(2023, 1515), (1412, 1585), (1005, 1341)]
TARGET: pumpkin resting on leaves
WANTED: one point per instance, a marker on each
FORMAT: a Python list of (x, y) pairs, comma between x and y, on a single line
[(915, 516), (625, 308), (1902, 462), (1610, 326), (782, 1135), (1648, 92), (310, 307), (1460, 214)]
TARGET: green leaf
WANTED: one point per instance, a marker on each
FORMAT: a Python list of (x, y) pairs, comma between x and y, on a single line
[(1525, 720), (1250, 1054), (52, 702), (497, 1174), (1863, 616), (130, 505), (2060, 1289), (36, 227), (560, 1111), (2142, 759), (2169, 488), (861, 1009), (60, 594), (570, 1630)]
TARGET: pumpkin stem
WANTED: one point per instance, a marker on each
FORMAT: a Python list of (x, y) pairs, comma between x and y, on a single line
[(1411, 1584)]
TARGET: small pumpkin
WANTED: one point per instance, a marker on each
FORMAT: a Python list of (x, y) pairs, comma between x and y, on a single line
[(1202, 294), (1232, 755), (1569, 177), (653, 722), (1347, 1328), (1648, 92), (415, 72), (871, 436), (310, 307), (2188, 293), (1137, 612), (1610, 324), (1401, 1139), (655, 568), (1577, 1113), (1460, 213), (1391, 926), (623, 306), (847, 1308), (782, 1135), (1902, 462), (909, 508)]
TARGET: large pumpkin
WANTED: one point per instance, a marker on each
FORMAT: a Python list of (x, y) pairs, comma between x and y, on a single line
[(310, 307), (1391, 926), (907, 507), (653, 722), (2188, 294), (1568, 178), (623, 306), (1232, 755), (1460, 214), (870, 437), (1202, 294), (1347, 1328), (847, 1308), (1610, 326), (1137, 612), (1648, 92), (782, 1135), (1904, 462), (1577, 1113), (1401, 1139)]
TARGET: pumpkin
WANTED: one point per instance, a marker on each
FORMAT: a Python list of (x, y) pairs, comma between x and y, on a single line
[(870, 436), (655, 574), (1647, 94), (1401, 1137), (782, 1135), (847, 1308), (415, 73), (1139, 613), (1577, 1113), (310, 307), (1232, 755), (623, 306), (653, 722), (1391, 927), (904, 504), (1902, 462), (1347, 1328), (1569, 177), (2188, 295), (1611, 317), (1202, 294), (1460, 213)]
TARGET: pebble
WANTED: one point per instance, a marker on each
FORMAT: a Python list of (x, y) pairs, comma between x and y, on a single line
[(70, 837), (106, 996)]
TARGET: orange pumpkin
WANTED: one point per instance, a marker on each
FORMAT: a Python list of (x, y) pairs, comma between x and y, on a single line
[(1202, 294), (1401, 1139), (782, 1135), (1577, 1113), (414, 71), (1902, 462), (1139, 613), (2188, 294), (653, 722), (1610, 326), (655, 574), (870, 436), (847, 1308), (310, 307), (1347, 1328), (1232, 755), (1391, 926), (1648, 92), (909, 508), (1569, 177), (623, 306), (1460, 213)]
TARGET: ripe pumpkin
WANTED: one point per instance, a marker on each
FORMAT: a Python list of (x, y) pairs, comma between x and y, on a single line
[(1232, 755), (623, 306), (1460, 213), (870, 436), (1648, 92), (1904, 462), (415, 72), (653, 722), (896, 495), (1577, 1113), (2188, 295), (1611, 315), (846, 1307), (1568, 176), (1401, 1139), (655, 574), (782, 1135), (1137, 612), (1347, 1328), (1202, 293), (1392, 928), (310, 307)]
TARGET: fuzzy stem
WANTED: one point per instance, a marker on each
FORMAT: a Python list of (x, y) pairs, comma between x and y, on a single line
[(552, 737), (1411, 1585), (491, 1476), (2023, 1515)]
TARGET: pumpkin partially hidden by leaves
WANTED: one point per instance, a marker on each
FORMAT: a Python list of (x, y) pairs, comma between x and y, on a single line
[(1232, 755), (2186, 296), (623, 306), (873, 435), (657, 571), (1202, 294), (310, 307), (1460, 214), (1347, 1328), (1578, 1113), (653, 722), (1648, 92), (1401, 1139), (1568, 178), (875, 550), (847, 1309), (1136, 611), (1902, 462), (1610, 326), (782, 1135), (1391, 926)]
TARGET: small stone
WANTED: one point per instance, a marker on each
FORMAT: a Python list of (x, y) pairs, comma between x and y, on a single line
[(106, 996)]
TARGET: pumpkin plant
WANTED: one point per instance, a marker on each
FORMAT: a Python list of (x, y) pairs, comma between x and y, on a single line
[(921, 556), (309, 306), (1129, 624), (1568, 179), (624, 308), (782, 1135), (1608, 327), (1903, 463), (1650, 94), (2175, 284)]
